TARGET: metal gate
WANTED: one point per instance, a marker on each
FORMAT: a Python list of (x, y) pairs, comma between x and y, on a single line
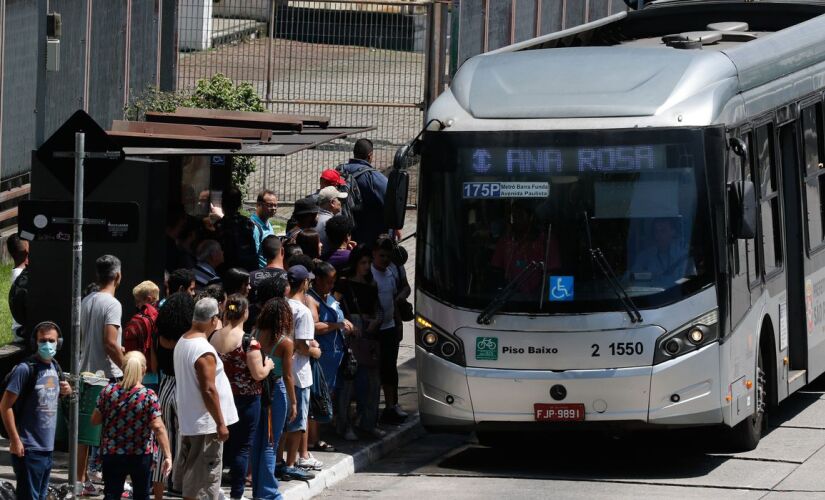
[(359, 62)]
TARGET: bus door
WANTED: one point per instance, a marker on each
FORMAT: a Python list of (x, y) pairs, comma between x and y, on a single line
[(791, 314), (812, 140)]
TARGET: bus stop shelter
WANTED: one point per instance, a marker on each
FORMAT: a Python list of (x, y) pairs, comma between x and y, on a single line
[(134, 174)]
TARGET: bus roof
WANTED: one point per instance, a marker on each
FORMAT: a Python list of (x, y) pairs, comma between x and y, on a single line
[(642, 64)]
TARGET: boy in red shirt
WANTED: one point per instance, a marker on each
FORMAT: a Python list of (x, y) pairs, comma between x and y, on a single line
[(138, 333)]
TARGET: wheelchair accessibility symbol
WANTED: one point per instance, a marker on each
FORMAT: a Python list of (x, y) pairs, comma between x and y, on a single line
[(561, 288)]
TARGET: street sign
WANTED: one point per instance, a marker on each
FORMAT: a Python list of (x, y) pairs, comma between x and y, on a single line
[(101, 156), (110, 222)]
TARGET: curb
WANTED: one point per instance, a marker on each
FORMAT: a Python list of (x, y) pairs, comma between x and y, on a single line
[(350, 464)]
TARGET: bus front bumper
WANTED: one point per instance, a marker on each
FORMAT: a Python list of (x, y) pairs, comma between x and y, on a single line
[(680, 392)]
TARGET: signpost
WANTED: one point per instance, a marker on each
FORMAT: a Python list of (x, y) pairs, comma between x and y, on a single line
[(77, 270), (50, 220), (104, 221)]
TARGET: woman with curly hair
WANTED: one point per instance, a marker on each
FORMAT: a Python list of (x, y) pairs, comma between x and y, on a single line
[(245, 367), (278, 404), (174, 319)]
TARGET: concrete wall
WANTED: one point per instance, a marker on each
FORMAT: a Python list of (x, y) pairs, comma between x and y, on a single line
[(195, 24), (258, 10)]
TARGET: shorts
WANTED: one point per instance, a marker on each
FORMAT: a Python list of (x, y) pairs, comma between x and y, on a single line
[(300, 422), (389, 340), (200, 460)]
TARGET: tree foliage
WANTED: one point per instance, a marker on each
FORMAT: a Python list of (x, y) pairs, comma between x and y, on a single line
[(217, 92)]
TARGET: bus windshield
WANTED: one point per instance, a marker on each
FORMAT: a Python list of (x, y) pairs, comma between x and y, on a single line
[(493, 203)]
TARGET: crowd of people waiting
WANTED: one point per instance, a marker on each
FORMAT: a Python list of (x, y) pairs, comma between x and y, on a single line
[(256, 342)]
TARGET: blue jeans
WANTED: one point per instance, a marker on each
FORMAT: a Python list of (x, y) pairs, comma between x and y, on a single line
[(264, 484), (367, 391), (117, 467), (236, 451), (32, 472)]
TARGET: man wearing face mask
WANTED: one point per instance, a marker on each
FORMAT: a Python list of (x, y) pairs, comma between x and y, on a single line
[(29, 412)]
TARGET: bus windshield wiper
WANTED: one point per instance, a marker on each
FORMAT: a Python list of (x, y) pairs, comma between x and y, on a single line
[(601, 262), (505, 293)]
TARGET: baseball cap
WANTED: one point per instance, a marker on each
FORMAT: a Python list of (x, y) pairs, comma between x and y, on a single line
[(299, 273), (305, 206), (333, 176), (329, 193)]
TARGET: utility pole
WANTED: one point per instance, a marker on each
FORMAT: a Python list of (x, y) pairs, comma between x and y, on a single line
[(77, 270)]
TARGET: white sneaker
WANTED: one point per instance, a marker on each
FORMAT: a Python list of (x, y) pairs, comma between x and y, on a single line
[(95, 476), (310, 463)]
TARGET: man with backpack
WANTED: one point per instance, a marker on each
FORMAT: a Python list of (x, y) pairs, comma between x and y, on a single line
[(237, 233), (366, 188), (18, 248), (29, 412)]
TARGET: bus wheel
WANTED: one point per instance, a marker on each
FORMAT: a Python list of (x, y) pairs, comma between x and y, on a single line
[(746, 434)]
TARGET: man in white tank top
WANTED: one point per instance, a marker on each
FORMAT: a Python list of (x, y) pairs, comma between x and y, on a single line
[(205, 405)]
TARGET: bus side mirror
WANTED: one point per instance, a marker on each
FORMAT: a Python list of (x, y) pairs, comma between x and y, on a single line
[(742, 197), (398, 184)]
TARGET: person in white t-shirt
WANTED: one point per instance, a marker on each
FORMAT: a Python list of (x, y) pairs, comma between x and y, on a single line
[(392, 287), (305, 347), (206, 407), (19, 251)]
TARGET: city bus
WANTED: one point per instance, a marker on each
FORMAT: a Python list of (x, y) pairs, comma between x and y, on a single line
[(621, 225)]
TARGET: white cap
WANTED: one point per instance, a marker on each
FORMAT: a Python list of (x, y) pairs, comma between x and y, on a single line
[(329, 193)]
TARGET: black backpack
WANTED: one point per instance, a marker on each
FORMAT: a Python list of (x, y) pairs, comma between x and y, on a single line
[(18, 294), (28, 388), (353, 203), (239, 242)]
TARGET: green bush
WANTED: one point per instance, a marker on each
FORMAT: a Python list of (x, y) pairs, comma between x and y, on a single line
[(218, 92)]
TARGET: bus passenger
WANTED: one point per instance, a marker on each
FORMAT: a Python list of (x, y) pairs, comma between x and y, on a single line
[(210, 258), (524, 242)]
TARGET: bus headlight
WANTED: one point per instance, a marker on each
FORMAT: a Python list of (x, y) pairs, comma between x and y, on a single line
[(438, 342), (429, 337), (690, 337), (696, 335)]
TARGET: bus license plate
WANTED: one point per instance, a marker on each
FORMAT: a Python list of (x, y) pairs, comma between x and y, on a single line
[(568, 412)]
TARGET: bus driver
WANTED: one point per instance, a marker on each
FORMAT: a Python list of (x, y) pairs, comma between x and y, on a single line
[(666, 262)]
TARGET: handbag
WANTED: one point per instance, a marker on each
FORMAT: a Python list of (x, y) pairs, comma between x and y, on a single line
[(349, 364), (320, 401), (405, 310), (270, 381), (365, 350)]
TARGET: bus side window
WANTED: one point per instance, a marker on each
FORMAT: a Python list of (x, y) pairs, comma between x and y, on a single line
[(812, 142), (752, 246), (769, 199), (736, 170)]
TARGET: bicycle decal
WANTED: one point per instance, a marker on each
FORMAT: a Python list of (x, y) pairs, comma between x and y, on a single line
[(561, 288), (487, 348)]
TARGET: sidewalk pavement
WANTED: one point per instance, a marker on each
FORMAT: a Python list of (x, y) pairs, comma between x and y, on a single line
[(349, 457)]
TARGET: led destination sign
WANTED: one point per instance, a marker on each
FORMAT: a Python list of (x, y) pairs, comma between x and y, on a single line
[(637, 158)]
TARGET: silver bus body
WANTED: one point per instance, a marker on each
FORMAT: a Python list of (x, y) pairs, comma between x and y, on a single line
[(551, 84)]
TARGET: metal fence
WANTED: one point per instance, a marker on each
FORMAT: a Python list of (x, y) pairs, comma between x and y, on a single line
[(362, 63), (104, 50), (490, 24)]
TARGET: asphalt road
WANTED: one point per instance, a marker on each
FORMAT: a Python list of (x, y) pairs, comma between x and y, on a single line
[(788, 464)]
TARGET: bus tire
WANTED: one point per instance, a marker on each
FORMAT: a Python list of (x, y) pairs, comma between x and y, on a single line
[(746, 434)]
